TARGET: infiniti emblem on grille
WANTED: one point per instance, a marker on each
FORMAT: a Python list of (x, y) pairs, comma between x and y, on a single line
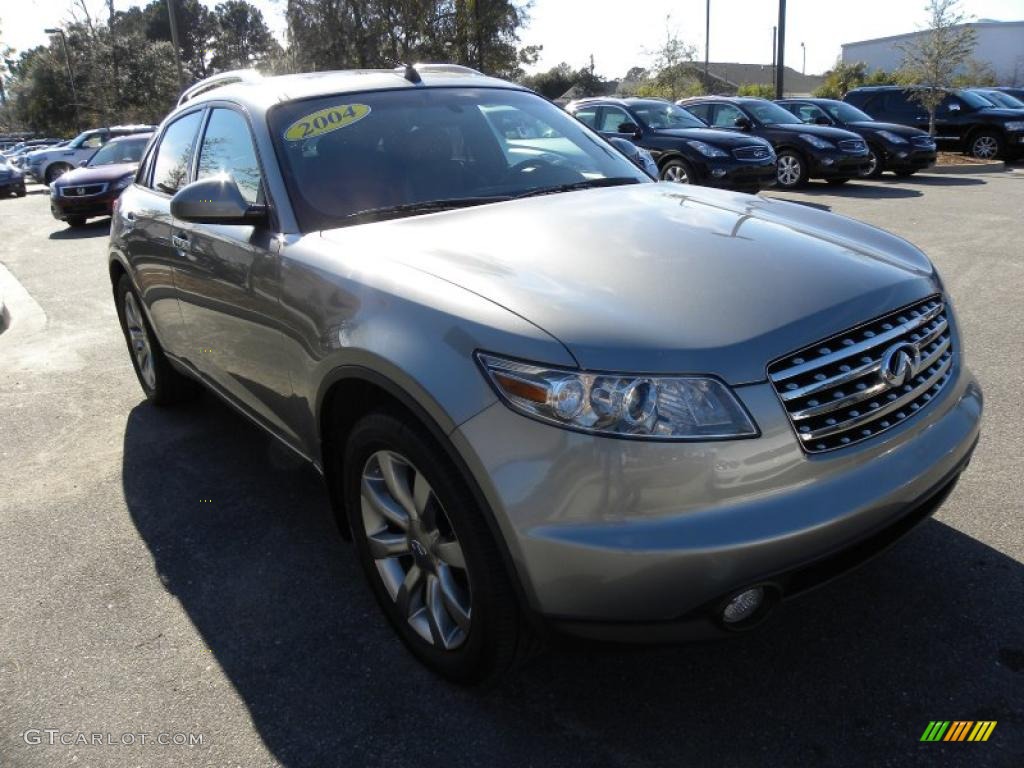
[(418, 549), (899, 363), (80, 191)]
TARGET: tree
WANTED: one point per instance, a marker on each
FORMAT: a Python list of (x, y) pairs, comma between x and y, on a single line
[(843, 78), (976, 73), (243, 39), (552, 83), (931, 59), (760, 90), (674, 73)]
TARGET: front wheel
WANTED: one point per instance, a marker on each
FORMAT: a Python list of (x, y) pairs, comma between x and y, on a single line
[(75, 221), (427, 552), (791, 170), (55, 171), (677, 171), (986, 146), (162, 384), (876, 165)]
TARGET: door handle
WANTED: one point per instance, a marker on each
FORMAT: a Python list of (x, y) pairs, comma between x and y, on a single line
[(180, 242), (129, 221)]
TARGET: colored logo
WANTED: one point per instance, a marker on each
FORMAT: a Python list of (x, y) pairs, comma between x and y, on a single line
[(958, 730)]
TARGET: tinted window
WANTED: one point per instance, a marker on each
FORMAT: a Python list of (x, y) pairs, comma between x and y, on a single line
[(726, 115), (587, 116), (897, 101), (846, 113), (769, 113), (227, 149), (612, 118), (973, 100), (350, 154), (170, 169), (661, 116), (125, 151), (702, 111)]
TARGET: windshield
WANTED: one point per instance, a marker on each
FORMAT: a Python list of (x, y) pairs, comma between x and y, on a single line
[(659, 116), (846, 113), (125, 151), (974, 101), (402, 150), (767, 113), (1001, 99)]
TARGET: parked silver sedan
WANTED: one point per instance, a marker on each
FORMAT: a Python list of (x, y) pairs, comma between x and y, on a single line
[(545, 391)]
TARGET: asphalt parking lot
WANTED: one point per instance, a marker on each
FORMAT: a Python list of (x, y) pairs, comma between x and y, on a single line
[(131, 605)]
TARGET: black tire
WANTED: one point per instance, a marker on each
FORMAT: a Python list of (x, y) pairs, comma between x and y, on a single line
[(986, 145), (836, 182), (20, 192), (799, 163), (55, 170), (676, 170), (905, 172), (168, 386), (876, 157), (75, 221), (498, 637)]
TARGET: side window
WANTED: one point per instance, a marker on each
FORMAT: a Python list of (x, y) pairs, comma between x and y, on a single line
[(703, 111), (725, 116), (94, 142), (171, 163), (587, 116), (227, 148), (950, 104), (612, 118)]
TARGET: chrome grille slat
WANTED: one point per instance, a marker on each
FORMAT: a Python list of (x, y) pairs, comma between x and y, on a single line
[(857, 384), (858, 347), (870, 416)]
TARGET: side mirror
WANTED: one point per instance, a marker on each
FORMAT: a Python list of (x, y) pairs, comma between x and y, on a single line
[(743, 123), (954, 107), (631, 128), (822, 120), (83, 164), (216, 200)]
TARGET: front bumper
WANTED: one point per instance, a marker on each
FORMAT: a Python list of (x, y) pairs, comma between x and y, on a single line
[(744, 175), (908, 159), (63, 208), (829, 164), (611, 537)]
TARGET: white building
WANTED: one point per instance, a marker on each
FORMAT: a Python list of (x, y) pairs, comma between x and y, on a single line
[(1000, 45)]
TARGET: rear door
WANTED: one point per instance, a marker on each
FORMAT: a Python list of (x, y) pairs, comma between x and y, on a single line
[(145, 226), (227, 277)]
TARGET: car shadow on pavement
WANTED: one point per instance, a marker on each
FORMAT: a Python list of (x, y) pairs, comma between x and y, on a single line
[(934, 180), (857, 188), (95, 228), (240, 533)]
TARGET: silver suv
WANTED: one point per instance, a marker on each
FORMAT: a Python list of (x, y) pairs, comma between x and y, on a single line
[(546, 393), (45, 165)]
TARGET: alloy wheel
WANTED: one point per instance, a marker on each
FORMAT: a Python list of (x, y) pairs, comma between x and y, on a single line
[(789, 170), (138, 338), (676, 173), (872, 164), (985, 147), (415, 550)]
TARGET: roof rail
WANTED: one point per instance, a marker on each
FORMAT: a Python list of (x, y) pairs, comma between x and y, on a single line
[(453, 69), (217, 81)]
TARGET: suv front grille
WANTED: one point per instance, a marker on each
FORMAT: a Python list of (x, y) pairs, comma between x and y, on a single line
[(860, 383), (853, 145), (755, 152)]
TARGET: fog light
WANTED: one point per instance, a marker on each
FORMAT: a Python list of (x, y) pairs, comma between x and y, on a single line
[(827, 161), (743, 605), (718, 173)]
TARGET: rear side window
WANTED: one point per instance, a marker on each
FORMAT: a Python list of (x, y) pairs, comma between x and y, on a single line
[(612, 118), (726, 116), (227, 148), (587, 116), (703, 111), (171, 165)]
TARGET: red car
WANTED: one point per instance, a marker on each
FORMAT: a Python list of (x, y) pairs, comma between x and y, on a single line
[(91, 190)]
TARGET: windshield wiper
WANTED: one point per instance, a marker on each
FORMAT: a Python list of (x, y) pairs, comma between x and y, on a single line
[(426, 206), (611, 181)]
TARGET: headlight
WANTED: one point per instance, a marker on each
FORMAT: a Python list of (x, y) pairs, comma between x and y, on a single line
[(54, 190), (1015, 125), (707, 150), (892, 137), (816, 141), (649, 407), (124, 181)]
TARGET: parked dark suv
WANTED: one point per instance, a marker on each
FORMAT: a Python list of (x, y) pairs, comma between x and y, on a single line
[(964, 121), (804, 151), (685, 148), (891, 147)]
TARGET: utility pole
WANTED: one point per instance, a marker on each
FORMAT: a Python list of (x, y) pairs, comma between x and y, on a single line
[(780, 84), (707, 40), (71, 76), (803, 69), (775, 71), (172, 15)]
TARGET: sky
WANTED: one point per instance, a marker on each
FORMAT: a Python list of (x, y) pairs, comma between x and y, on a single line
[(622, 34)]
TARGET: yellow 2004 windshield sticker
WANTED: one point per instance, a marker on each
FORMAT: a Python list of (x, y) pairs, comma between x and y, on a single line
[(326, 120)]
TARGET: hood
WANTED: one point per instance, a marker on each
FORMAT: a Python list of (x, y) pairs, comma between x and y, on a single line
[(899, 130), (660, 278), (97, 174), (824, 131), (714, 136)]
